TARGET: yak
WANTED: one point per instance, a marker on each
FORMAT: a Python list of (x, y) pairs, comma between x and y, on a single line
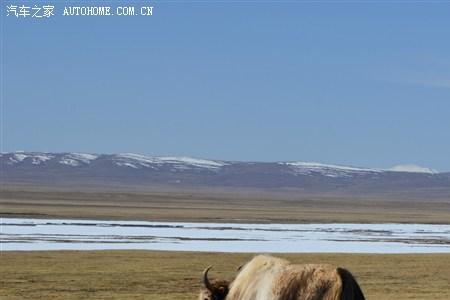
[(269, 278), (215, 289)]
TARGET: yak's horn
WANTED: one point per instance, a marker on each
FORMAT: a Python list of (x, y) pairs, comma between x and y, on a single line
[(206, 280)]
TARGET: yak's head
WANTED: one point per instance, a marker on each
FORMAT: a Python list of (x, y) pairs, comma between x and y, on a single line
[(213, 290)]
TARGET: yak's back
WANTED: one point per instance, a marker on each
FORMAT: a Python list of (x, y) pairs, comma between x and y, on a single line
[(308, 282), (254, 281), (269, 278)]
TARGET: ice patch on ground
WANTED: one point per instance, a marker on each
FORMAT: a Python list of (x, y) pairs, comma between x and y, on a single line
[(59, 234)]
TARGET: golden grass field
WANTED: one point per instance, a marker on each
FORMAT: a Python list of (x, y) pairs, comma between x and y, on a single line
[(174, 275), (177, 276), (215, 205)]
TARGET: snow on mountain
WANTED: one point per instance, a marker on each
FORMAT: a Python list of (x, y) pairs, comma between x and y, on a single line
[(306, 168), (131, 160), (85, 157), (201, 163), (137, 161), (76, 159), (134, 161), (35, 158), (410, 168)]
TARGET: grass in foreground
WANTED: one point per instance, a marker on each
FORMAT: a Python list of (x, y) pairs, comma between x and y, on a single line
[(175, 275)]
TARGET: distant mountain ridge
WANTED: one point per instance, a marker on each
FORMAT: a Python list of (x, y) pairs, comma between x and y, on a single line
[(129, 168), (137, 161)]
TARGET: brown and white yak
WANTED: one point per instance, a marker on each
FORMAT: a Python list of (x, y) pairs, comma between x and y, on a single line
[(270, 278)]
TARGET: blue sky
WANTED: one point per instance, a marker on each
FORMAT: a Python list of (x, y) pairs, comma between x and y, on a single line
[(365, 84)]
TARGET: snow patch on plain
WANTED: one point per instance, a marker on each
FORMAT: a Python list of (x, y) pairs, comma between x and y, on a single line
[(59, 234)]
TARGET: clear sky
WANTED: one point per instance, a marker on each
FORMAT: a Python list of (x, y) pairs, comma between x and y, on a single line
[(365, 84)]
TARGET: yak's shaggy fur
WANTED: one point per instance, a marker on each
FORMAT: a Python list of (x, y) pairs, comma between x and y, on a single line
[(270, 278)]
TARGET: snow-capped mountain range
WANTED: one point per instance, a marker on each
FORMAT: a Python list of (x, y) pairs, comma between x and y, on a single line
[(141, 169), (137, 161), (130, 160)]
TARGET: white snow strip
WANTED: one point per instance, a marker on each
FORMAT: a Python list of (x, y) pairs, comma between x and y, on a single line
[(36, 158), (335, 171), (192, 161), (412, 169), (69, 162), (315, 165), (127, 165), (80, 157), (157, 161), (20, 156), (85, 157), (54, 234), (137, 161), (137, 158), (76, 159)]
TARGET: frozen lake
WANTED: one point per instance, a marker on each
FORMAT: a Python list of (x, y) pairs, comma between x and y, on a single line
[(53, 234)]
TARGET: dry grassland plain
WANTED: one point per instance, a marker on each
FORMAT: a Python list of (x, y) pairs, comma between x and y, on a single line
[(221, 206), (177, 276)]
